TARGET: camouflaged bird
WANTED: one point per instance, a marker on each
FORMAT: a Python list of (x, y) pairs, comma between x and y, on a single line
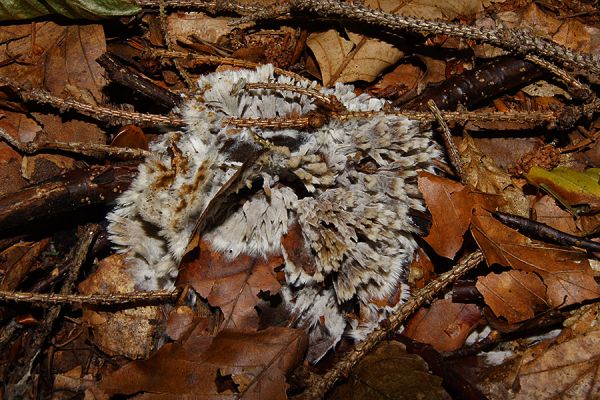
[(347, 186)]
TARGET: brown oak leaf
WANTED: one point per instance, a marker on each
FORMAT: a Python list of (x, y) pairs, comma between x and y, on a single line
[(445, 325), (232, 285), (232, 365), (514, 295), (565, 272)]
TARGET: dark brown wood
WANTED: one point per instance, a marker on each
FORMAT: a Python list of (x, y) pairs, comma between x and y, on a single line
[(72, 191), (478, 85), (125, 76)]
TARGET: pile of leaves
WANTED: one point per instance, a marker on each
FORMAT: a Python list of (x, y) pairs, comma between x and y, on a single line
[(522, 196)]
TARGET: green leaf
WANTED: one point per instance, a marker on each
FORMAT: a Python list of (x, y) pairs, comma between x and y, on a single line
[(75, 9), (572, 188)]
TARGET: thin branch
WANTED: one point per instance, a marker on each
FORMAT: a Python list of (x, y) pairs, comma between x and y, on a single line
[(342, 368), (110, 299), (109, 115), (578, 89), (167, 37), (88, 149), (513, 40), (542, 231), (120, 73)]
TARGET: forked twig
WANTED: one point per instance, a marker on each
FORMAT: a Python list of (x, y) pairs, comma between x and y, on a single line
[(342, 368), (451, 149)]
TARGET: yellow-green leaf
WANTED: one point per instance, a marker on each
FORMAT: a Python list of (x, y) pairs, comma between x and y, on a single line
[(570, 187)]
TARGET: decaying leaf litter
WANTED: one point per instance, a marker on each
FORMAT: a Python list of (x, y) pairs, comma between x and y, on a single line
[(512, 310)]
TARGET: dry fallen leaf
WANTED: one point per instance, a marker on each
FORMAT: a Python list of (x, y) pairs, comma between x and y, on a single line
[(450, 204), (445, 325), (11, 180), (58, 58), (343, 60), (232, 365), (390, 372), (484, 175), (565, 272), (548, 212), (130, 332), (403, 79), (17, 261), (566, 368), (514, 295), (231, 285)]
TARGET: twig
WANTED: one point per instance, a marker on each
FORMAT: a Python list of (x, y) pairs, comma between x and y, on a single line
[(19, 381), (513, 40), (579, 90), (109, 299), (451, 149), (343, 367), (109, 115), (542, 231), (88, 149), (330, 103), (212, 6)]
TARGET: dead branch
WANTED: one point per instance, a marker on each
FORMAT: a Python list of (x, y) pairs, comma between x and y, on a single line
[(513, 40), (76, 189), (119, 73), (87, 149), (477, 85), (542, 231), (109, 299)]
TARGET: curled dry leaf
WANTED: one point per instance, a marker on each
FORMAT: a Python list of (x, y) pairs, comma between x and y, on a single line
[(11, 180), (232, 285), (17, 261), (514, 295), (23, 129), (210, 29), (482, 173), (445, 325), (356, 58), (343, 60), (403, 79), (565, 272), (232, 365), (390, 372), (131, 332)]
